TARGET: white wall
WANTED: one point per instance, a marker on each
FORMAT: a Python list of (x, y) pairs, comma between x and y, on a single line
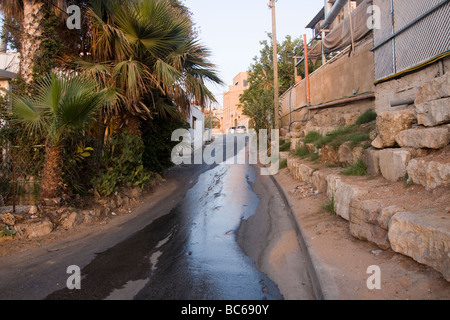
[(9, 62), (199, 116)]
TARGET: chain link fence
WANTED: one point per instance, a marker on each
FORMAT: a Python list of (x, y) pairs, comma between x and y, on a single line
[(412, 32), (21, 162)]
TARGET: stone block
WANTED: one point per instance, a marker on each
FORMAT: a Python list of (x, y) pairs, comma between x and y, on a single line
[(436, 89), (38, 229), (329, 154), (72, 220), (393, 163), (432, 138), (296, 143), (292, 163), (348, 154), (311, 147), (428, 173), (304, 173), (283, 155), (390, 123), (296, 127), (319, 181), (363, 222), (332, 182), (8, 219), (423, 236), (343, 193), (369, 221), (371, 160), (434, 112)]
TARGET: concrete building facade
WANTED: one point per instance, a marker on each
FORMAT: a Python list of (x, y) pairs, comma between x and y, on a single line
[(232, 114)]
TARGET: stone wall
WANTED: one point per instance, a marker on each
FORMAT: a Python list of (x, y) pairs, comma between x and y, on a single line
[(413, 222), (406, 87), (344, 76), (413, 142)]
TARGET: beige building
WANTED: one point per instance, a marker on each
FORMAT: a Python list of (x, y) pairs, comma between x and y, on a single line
[(232, 115)]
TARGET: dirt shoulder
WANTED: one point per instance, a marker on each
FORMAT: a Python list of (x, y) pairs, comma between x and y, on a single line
[(344, 259)]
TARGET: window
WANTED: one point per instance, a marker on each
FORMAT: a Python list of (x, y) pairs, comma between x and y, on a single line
[(245, 83), (194, 119)]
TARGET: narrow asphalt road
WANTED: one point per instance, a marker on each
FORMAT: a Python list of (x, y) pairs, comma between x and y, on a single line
[(216, 239)]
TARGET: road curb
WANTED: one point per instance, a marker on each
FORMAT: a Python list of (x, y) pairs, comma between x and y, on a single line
[(323, 284)]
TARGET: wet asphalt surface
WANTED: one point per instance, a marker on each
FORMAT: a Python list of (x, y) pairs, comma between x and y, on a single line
[(191, 253)]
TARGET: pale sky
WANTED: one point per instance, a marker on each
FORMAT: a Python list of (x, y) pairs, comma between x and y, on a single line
[(232, 30)]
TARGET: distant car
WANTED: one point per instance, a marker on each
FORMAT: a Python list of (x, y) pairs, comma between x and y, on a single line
[(232, 130), (241, 129)]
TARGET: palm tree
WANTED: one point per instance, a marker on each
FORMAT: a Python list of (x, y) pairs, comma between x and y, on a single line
[(29, 14), (63, 105), (145, 49)]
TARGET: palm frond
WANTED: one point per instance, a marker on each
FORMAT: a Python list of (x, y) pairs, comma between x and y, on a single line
[(26, 113), (64, 104)]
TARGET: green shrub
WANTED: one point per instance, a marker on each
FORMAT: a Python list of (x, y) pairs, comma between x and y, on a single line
[(158, 144), (301, 152), (358, 169), (6, 231), (314, 157), (332, 165), (335, 138), (283, 164), (121, 165), (330, 207), (312, 137), (285, 146), (341, 135), (357, 138), (79, 166), (368, 116)]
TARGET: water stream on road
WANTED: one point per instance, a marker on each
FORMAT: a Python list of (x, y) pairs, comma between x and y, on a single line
[(210, 264), (190, 253)]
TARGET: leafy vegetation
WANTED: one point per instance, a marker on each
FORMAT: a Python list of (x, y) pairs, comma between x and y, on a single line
[(257, 101), (286, 146), (301, 152), (311, 137), (134, 66), (283, 164), (330, 207), (358, 169), (368, 116), (121, 165), (6, 231), (156, 136)]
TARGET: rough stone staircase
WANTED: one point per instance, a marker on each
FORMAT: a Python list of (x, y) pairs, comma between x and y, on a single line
[(404, 202)]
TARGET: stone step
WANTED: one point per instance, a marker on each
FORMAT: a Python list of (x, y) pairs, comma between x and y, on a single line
[(423, 236), (432, 171), (432, 138), (369, 220), (376, 213)]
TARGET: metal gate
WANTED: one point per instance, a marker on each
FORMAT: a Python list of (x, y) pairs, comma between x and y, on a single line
[(412, 32)]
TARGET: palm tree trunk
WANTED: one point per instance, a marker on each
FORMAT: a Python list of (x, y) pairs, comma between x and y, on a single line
[(51, 185), (131, 123), (31, 37)]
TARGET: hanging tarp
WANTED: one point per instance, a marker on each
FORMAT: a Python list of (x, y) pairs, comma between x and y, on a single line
[(353, 28)]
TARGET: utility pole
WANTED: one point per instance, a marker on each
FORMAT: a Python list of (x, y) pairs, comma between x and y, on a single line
[(275, 64)]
